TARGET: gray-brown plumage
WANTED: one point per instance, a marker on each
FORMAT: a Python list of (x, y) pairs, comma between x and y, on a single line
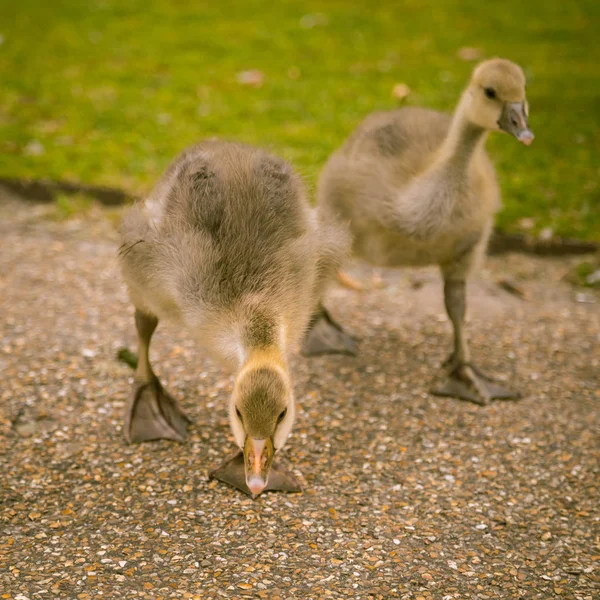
[(417, 188), (227, 247)]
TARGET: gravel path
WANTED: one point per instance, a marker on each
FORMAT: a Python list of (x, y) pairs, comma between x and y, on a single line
[(407, 495)]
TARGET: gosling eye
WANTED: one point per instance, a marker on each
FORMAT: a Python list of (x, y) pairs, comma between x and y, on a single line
[(239, 414), (490, 92), (281, 416)]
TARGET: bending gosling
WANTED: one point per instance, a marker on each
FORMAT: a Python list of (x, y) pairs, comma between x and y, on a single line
[(227, 247)]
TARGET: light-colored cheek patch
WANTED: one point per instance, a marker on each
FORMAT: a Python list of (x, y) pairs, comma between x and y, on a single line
[(236, 428)]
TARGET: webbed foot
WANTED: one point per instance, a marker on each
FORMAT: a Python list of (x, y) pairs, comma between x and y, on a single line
[(232, 472), (467, 382), (152, 414), (327, 337)]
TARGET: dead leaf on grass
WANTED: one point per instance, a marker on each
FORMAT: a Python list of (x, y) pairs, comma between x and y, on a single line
[(468, 53), (400, 91), (252, 78)]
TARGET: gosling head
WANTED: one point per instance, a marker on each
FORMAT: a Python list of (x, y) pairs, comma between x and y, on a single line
[(497, 101), (261, 414)]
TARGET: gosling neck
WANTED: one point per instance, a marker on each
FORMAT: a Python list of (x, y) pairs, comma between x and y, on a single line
[(270, 356), (264, 343), (463, 140)]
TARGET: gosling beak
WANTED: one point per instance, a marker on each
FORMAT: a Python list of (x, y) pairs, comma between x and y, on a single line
[(514, 121), (258, 458)]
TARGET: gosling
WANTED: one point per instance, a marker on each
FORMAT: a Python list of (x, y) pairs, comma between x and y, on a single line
[(227, 247), (417, 188)]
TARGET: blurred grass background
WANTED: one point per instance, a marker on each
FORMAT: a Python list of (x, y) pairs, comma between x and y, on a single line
[(108, 92)]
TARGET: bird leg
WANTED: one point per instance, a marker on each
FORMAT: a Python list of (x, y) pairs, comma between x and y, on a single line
[(151, 413), (325, 336), (464, 379), (349, 282)]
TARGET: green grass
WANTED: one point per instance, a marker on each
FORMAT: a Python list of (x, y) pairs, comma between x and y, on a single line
[(68, 206), (108, 91), (585, 272)]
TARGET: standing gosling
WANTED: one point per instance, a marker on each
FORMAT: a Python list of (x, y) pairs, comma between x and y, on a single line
[(418, 188), (227, 247)]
